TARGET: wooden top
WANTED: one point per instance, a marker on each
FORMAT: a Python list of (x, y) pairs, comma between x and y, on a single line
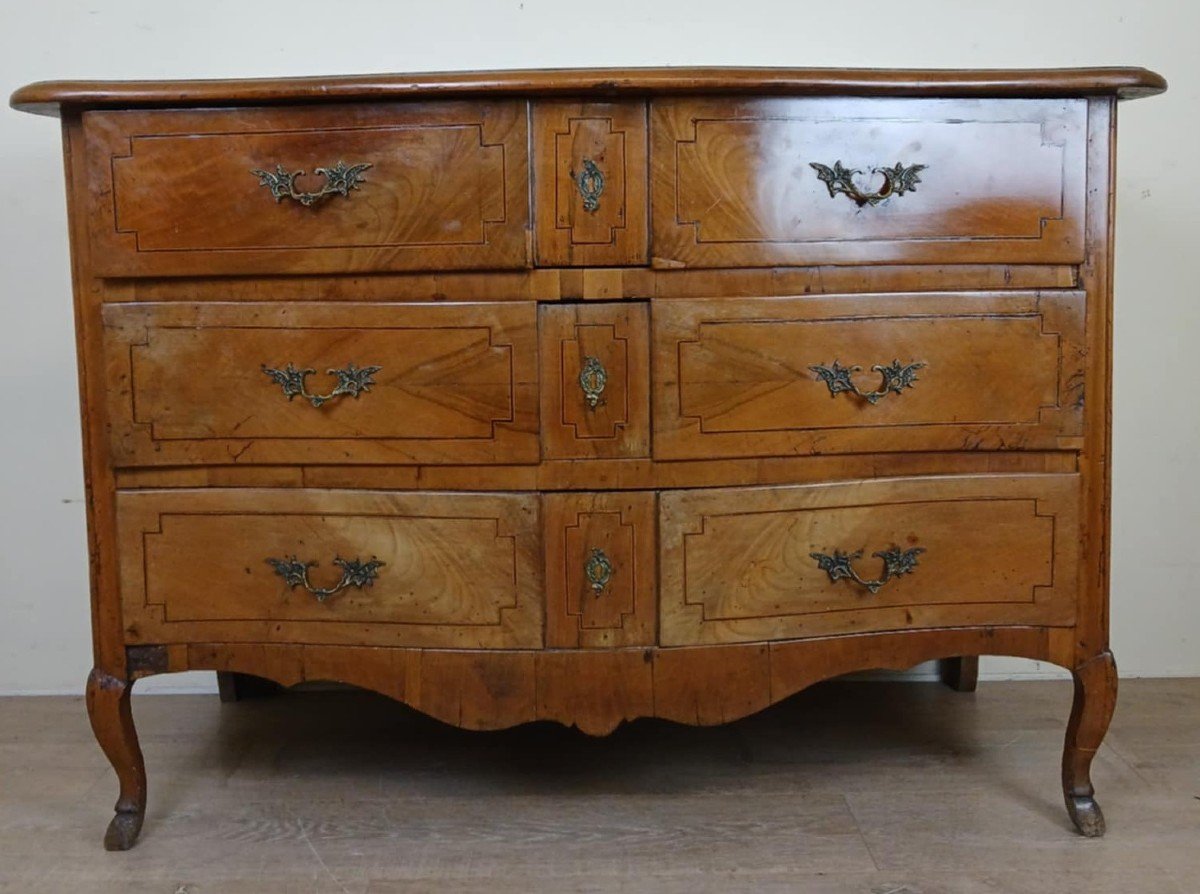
[(49, 97)]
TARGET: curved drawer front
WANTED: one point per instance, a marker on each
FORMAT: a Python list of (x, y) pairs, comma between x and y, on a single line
[(386, 568), (751, 564), (311, 383), (388, 187), (768, 182), (786, 376), (600, 569)]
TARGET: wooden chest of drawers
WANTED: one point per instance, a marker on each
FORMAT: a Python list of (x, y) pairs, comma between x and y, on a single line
[(594, 395)]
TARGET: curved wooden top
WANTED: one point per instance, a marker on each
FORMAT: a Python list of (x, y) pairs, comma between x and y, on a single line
[(49, 97)]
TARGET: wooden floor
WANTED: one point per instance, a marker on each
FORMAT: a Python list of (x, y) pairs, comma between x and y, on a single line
[(849, 788)]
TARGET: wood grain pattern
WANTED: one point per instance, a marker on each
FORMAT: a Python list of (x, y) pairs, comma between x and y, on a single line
[(108, 644), (599, 689), (609, 474), (461, 570), (175, 193), (733, 186), (622, 613), (457, 383), (1092, 634), (737, 565), (618, 336), (613, 137), (469, 472), (112, 722), (593, 284), (1091, 711), (1001, 371), (46, 97)]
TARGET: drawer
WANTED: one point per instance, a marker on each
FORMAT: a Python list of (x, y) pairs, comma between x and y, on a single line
[(589, 162), (867, 373), (352, 567), (221, 383), (751, 564), (600, 569), (595, 380), (308, 190), (799, 181)]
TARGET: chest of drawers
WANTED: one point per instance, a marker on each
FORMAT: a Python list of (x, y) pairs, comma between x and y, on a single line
[(594, 395)]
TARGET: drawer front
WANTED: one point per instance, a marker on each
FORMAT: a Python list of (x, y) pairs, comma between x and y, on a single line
[(590, 175), (600, 570), (595, 380), (263, 566), (766, 182), (742, 565), (866, 373), (312, 383), (204, 192)]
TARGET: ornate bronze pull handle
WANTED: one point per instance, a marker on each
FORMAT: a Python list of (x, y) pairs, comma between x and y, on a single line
[(590, 183), (592, 379), (896, 377), (352, 381), (896, 181), (354, 574), (896, 561), (599, 570), (339, 180)]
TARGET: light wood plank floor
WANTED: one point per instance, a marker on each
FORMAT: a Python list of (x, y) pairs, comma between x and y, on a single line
[(849, 788)]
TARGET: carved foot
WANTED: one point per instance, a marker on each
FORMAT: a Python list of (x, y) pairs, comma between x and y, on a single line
[(123, 831), (1086, 815), (112, 722), (1095, 699)]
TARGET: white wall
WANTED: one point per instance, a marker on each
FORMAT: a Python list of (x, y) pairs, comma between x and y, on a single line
[(44, 640)]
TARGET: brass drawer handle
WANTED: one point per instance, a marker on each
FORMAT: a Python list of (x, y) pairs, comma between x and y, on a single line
[(896, 561), (339, 180), (354, 574), (352, 382), (599, 570), (592, 379), (896, 181), (590, 183), (896, 377)]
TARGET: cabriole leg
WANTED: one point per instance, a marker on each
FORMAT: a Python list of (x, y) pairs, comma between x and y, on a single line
[(112, 722), (1095, 699)]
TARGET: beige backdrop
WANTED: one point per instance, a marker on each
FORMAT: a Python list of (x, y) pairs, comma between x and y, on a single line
[(44, 639)]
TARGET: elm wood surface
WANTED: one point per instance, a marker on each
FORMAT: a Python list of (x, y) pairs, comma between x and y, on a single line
[(112, 722), (593, 284), (454, 383), (1096, 275), (50, 97), (175, 193), (741, 565), (616, 611), (997, 371), (734, 186), (613, 421), (612, 138), (599, 687), (459, 570), (1091, 712), (613, 474)]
